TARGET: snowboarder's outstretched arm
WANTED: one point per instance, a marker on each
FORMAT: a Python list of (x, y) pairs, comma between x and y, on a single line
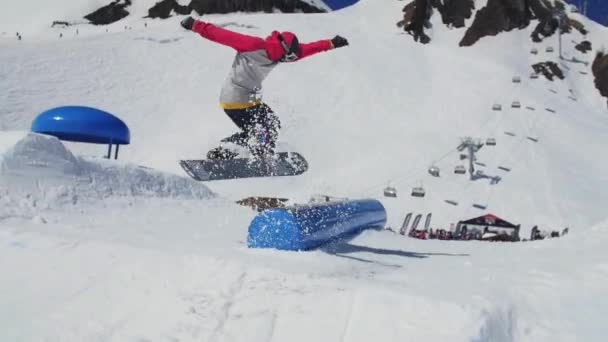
[(309, 49), (238, 41), (272, 44)]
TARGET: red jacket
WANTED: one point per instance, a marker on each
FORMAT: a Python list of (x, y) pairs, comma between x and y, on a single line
[(254, 60), (245, 43)]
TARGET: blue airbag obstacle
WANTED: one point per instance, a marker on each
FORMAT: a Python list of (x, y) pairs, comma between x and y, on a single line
[(310, 226), (83, 124)]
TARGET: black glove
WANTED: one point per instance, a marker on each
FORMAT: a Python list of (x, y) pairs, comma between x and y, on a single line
[(187, 23), (338, 42)]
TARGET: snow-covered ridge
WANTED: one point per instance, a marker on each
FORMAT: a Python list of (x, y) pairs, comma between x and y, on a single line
[(41, 170), (41, 14)]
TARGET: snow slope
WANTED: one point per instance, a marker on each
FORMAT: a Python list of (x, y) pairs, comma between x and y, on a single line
[(165, 260)]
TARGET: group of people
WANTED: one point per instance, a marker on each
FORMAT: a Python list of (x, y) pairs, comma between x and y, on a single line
[(537, 234), (464, 234), (432, 234)]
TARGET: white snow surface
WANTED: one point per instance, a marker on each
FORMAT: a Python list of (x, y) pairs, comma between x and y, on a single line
[(133, 250)]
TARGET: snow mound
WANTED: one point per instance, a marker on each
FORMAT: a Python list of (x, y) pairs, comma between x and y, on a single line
[(41, 170)]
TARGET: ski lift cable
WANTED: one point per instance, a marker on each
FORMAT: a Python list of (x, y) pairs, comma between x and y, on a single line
[(497, 126), (413, 173), (416, 171), (406, 178), (512, 151)]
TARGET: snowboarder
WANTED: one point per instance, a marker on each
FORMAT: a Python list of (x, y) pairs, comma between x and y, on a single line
[(241, 93)]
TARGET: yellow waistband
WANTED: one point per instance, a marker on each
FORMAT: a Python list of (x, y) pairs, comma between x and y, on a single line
[(239, 105)]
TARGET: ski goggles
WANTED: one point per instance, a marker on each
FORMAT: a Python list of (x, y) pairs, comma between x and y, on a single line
[(291, 53)]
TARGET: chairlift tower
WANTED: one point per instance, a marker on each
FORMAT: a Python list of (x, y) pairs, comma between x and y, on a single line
[(471, 146), (559, 16), (585, 3)]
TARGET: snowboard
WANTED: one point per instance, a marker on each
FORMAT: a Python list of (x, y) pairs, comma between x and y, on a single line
[(280, 164)]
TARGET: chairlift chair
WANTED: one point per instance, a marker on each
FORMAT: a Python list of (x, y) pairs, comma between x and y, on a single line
[(549, 49), (390, 191), (534, 51), (496, 106), (460, 170), (434, 171), (516, 104), (516, 79), (491, 142), (418, 191), (534, 76)]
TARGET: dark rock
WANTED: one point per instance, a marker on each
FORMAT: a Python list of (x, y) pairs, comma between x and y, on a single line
[(600, 72), (548, 69), (164, 8), (584, 46), (505, 15), (578, 26), (416, 16), (110, 13), (454, 12), (60, 23), (548, 24), (498, 16), (418, 12)]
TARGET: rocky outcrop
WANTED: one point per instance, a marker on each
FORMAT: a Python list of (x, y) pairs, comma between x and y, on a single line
[(498, 16), (454, 12), (548, 69), (600, 72), (416, 15), (584, 46), (165, 8), (268, 6), (110, 13), (506, 15)]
